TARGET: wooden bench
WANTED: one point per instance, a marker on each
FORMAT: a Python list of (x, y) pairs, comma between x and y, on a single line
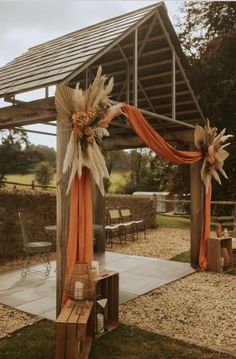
[(74, 330)]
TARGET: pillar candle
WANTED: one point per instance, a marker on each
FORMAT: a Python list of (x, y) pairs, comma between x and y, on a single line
[(100, 323), (78, 290)]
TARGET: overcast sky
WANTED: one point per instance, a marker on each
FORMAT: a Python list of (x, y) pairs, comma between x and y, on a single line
[(28, 23)]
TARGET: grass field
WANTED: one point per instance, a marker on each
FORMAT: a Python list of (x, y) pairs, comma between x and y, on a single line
[(126, 342), (173, 221), (26, 179), (117, 180)]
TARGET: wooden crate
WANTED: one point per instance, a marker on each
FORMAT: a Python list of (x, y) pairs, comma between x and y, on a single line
[(74, 329), (214, 246), (107, 286), (234, 258)]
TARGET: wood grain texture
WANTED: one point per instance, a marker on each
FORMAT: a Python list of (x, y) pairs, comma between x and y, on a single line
[(63, 209), (197, 195)]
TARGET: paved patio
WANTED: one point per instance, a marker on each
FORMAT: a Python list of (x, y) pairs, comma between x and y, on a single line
[(138, 275)]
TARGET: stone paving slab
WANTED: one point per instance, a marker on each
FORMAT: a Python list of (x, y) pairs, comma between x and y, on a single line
[(138, 275)]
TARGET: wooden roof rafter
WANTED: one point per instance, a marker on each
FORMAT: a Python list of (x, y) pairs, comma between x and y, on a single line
[(154, 79)]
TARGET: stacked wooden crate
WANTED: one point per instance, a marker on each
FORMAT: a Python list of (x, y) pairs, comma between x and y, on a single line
[(76, 324), (214, 249)]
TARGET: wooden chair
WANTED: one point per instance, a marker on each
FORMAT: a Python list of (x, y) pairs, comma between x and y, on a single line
[(128, 218), (30, 248), (116, 226)]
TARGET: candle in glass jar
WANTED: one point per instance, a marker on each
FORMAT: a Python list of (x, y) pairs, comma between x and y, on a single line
[(100, 323), (78, 290), (95, 265), (226, 233)]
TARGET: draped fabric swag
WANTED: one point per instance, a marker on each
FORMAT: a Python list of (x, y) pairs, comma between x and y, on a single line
[(80, 240)]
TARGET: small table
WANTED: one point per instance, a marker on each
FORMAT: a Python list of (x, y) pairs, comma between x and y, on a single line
[(96, 228), (98, 231)]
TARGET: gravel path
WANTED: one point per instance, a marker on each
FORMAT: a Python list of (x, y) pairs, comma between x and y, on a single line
[(161, 243), (12, 319), (199, 309)]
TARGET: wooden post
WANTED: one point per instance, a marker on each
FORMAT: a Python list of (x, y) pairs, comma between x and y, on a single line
[(197, 198), (135, 83), (63, 135), (99, 216)]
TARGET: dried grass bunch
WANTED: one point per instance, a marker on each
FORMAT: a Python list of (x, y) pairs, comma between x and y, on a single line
[(89, 113), (212, 145)]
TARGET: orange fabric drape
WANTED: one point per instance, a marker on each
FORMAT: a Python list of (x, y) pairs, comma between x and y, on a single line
[(154, 141), (80, 240), (205, 231)]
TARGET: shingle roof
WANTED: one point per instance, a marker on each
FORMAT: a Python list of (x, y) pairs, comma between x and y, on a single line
[(53, 61)]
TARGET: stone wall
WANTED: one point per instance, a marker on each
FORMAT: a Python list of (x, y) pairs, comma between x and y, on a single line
[(39, 208), (141, 207)]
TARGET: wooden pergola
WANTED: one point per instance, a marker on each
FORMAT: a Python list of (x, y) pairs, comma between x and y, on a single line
[(141, 50)]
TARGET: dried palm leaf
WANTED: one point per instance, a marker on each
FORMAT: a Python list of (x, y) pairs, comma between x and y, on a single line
[(64, 102), (209, 142), (86, 106)]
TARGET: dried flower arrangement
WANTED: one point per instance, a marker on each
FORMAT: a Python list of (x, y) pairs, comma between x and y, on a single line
[(212, 146), (89, 113)]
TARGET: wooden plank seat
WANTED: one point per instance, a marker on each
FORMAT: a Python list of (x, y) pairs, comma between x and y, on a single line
[(116, 227), (128, 218)]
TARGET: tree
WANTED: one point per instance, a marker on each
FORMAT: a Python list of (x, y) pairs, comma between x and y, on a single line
[(208, 35), (44, 173), (116, 161), (14, 157), (203, 21), (148, 173), (44, 153)]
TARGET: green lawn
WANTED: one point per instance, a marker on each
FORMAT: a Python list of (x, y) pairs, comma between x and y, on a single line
[(26, 179), (172, 221), (117, 180), (183, 257), (126, 342)]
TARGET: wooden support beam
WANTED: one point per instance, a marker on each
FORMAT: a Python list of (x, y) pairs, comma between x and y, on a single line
[(130, 58), (150, 77), (132, 141), (37, 132), (98, 217), (197, 197), (63, 202), (178, 103), (174, 83), (166, 95), (42, 110), (155, 87), (179, 64), (135, 69)]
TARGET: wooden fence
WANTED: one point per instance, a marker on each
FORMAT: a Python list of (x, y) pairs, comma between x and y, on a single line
[(223, 212), (32, 185)]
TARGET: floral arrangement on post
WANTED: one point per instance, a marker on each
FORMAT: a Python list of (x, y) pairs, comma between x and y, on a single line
[(89, 113), (212, 146)]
